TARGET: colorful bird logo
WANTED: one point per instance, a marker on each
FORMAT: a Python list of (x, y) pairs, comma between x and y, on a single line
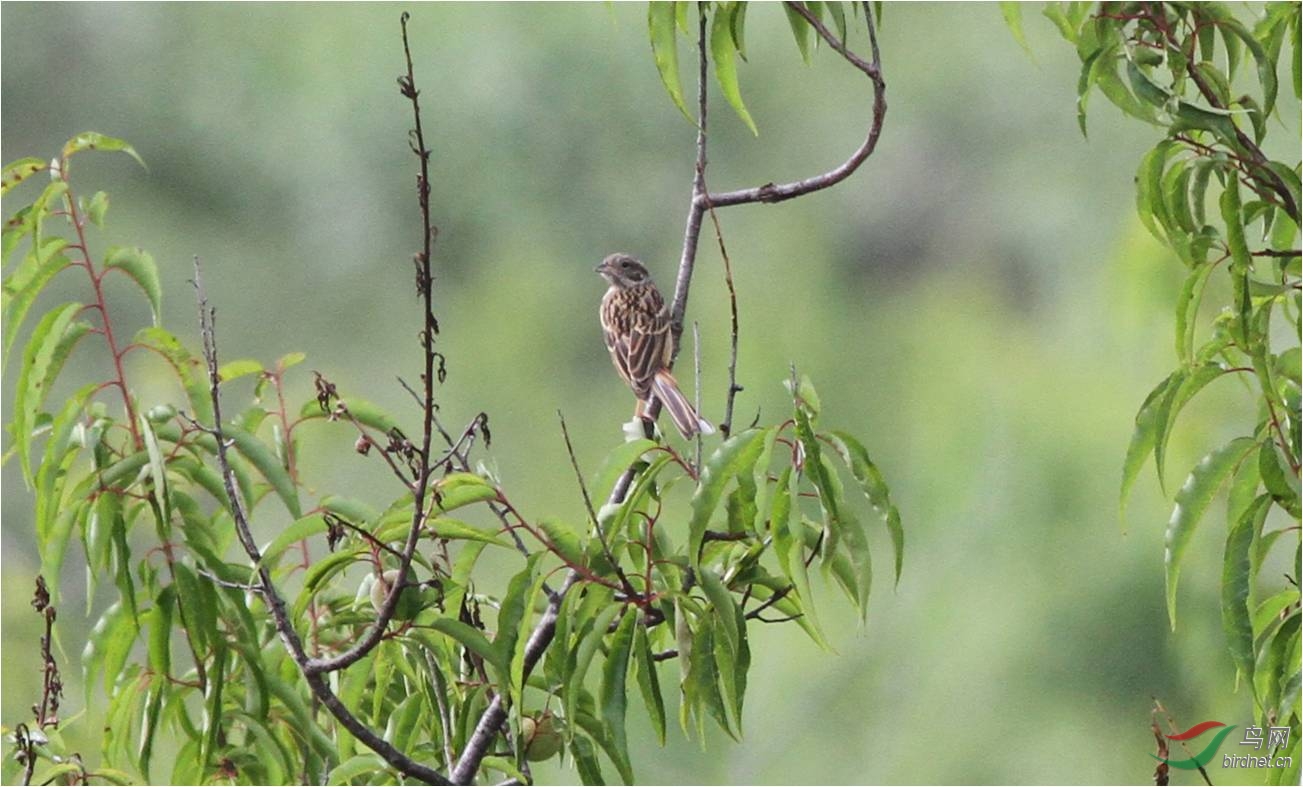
[(1204, 757)]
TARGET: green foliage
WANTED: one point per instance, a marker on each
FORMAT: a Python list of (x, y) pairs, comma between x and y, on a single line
[(1209, 192), (188, 653), (726, 38)]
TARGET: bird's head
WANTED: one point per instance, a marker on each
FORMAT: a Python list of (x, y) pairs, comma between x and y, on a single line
[(622, 270)]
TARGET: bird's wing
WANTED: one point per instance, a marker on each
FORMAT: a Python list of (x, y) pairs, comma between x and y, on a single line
[(647, 342)]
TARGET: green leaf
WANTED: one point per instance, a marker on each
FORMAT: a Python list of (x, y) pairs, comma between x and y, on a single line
[(157, 472), (1145, 89), (800, 31), (1277, 477), (1241, 260), (721, 52), (564, 540), (614, 674), (91, 140), (1085, 80), (265, 460), (1187, 310), (471, 638), (1149, 191), (875, 488), (665, 51), (41, 265), (1142, 438), (1237, 585), (354, 511), (617, 461), (107, 648), (1190, 116), (160, 631), (458, 490), (722, 602), (457, 530), (97, 207), (1184, 388), (1191, 502), (583, 655), (1013, 13), (233, 370), (50, 344), (737, 455), (835, 11), (581, 748), (300, 529), (190, 371), (1265, 66), (16, 172), (649, 682), (510, 613)]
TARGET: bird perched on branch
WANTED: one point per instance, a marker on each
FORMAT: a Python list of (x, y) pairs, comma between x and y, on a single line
[(636, 326)]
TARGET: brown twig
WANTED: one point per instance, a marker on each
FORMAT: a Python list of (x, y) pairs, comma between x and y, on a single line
[(1171, 725), (726, 426), (433, 364), (592, 514)]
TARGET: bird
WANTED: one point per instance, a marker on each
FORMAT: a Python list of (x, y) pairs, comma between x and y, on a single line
[(636, 326)]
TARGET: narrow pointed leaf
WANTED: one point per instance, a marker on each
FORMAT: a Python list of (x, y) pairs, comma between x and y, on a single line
[(665, 51), (721, 51), (1192, 502)]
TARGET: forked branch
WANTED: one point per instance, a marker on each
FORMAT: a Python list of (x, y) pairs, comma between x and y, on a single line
[(700, 201)]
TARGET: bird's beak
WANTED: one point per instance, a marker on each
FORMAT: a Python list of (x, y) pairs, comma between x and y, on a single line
[(601, 267)]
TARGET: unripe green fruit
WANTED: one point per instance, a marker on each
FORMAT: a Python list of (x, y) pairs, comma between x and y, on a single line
[(542, 739), (409, 603), (160, 413)]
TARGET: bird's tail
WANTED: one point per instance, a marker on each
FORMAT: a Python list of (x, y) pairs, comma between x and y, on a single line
[(680, 409)]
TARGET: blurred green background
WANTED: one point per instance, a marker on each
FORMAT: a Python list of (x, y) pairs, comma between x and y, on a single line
[(979, 304)]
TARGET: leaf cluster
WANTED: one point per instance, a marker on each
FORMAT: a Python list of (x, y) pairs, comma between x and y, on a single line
[(188, 649), (1230, 213)]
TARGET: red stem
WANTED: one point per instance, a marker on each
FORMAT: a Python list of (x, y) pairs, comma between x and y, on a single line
[(121, 378)]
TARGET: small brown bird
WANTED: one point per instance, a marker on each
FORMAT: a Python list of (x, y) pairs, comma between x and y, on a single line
[(636, 326)]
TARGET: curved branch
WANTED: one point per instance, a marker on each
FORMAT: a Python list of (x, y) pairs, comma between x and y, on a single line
[(771, 192)]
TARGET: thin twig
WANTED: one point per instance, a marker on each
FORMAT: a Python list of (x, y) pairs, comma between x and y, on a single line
[(696, 385), (1172, 726), (726, 426), (425, 284), (275, 604), (592, 514), (579, 476)]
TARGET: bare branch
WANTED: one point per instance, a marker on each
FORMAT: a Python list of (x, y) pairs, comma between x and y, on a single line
[(579, 476), (425, 285), (696, 207), (726, 426)]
